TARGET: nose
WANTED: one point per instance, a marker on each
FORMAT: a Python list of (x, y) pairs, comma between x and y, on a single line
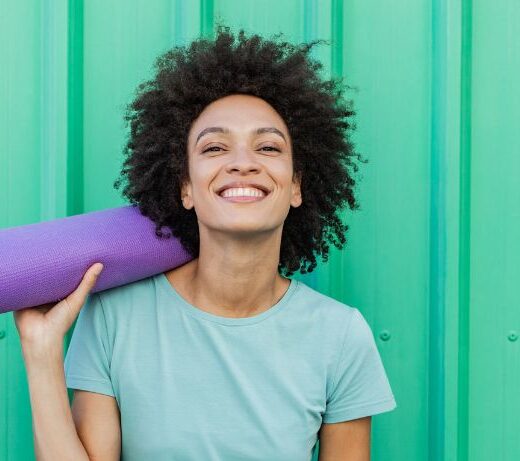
[(243, 159)]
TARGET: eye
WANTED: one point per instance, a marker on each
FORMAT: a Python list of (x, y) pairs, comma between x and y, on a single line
[(271, 147), (210, 149)]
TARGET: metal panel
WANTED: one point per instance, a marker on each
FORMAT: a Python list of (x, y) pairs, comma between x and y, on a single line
[(430, 257), (492, 271)]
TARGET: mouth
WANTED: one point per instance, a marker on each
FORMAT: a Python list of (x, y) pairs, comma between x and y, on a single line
[(244, 198)]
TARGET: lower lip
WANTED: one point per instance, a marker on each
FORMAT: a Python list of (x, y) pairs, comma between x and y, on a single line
[(243, 199)]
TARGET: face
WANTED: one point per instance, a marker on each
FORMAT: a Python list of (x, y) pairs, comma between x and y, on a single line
[(239, 152)]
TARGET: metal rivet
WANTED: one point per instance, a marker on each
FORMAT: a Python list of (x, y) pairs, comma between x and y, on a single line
[(513, 335), (2, 334), (384, 335)]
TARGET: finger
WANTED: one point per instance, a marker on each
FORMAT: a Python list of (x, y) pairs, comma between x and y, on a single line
[(78, 296)]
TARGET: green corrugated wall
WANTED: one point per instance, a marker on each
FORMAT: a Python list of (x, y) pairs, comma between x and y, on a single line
[(432, 256)]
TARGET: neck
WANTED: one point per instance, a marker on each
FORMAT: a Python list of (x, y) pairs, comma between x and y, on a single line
[(236, 278)]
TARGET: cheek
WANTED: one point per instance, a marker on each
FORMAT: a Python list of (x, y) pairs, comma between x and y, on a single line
[(203, 181), (200, 172), (280, 169)]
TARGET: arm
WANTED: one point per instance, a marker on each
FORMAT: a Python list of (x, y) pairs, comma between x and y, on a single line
[(90, 432), (345, 441), (55, 437), (41, 330), (98, 423)]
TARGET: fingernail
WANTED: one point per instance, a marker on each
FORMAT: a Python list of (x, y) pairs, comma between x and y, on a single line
[(98, 268)]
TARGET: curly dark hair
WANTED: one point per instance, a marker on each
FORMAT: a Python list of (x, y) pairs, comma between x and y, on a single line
[(189, 78)]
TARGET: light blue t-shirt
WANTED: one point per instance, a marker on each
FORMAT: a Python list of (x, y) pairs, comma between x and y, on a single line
[(193, 386)]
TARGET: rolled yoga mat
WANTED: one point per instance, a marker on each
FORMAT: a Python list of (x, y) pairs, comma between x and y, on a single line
[(44, 262)]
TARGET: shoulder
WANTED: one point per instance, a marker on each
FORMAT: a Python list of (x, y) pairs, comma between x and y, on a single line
[(325, 303), (124, 300), (326, 311)]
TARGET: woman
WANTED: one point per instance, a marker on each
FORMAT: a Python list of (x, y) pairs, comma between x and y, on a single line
[(241, 151)]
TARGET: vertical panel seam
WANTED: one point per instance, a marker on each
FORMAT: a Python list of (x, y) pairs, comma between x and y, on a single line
[(464, 234), (207, 18), (47, 115), (75, 161), (438, 184), (178, 15), (337, 38)]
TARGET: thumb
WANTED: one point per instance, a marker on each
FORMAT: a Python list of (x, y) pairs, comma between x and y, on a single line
[(66, 311), (78, 296)]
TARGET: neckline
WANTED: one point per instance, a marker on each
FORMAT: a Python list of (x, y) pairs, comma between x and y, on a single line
[(198, 313)]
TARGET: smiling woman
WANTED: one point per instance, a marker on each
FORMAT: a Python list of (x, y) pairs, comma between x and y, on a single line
[(242, 151), (311, 124), (242, 194)]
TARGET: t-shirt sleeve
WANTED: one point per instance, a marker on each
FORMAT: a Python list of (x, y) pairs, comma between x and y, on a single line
[(360, 386), (88, 357)]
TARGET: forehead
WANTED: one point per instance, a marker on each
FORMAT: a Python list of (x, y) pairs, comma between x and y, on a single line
[(238, 112)]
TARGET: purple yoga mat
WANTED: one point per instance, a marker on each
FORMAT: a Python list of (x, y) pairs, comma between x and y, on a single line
[(45, 262)]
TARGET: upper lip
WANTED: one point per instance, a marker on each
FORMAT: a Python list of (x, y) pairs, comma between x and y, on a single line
[(243, 184)]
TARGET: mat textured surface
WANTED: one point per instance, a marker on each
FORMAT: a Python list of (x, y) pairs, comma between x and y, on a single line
[(44, 262)]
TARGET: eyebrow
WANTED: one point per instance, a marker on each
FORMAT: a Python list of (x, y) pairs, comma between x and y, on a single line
[(219, 129)]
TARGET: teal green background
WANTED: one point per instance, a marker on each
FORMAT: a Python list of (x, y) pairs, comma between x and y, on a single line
[(432, 255)]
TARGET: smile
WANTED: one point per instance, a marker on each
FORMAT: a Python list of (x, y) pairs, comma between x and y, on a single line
[(242, 198)]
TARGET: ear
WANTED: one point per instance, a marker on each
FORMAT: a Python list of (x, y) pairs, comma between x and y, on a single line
[(296, 197), (186, 196)]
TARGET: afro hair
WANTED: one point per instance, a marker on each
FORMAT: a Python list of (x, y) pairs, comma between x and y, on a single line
[(187, 79)]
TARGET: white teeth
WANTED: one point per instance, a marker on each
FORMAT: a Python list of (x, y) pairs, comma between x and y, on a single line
[(242, 191)]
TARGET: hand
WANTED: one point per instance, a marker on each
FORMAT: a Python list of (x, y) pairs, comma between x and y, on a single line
[(47, 324)]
